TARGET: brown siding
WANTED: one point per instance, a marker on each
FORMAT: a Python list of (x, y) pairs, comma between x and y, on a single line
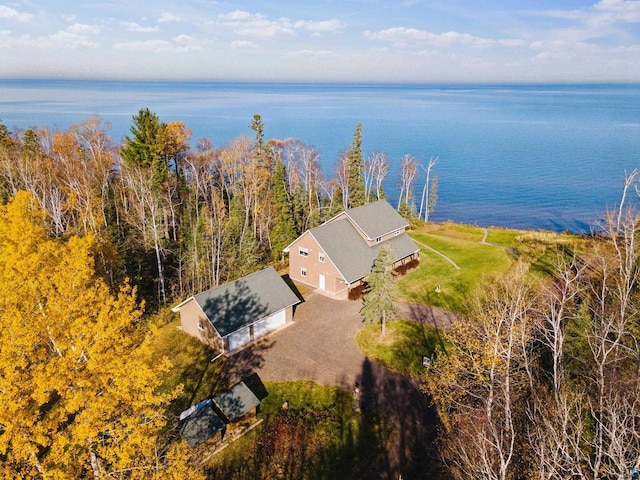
[(190, 316), (313, 266)]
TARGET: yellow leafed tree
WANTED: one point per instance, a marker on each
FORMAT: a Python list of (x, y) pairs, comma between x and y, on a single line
[(78, 399)]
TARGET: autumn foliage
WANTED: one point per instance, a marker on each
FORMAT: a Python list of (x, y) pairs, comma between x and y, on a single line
[(78, 399)]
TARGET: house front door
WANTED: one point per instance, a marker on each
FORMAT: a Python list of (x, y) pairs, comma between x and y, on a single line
[(321, 282)]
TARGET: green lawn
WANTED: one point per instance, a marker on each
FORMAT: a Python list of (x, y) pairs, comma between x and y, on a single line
[(319, 435), (478, 263), (402, 347)]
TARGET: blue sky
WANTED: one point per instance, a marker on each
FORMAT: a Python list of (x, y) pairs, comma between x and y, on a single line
[(323, 40)]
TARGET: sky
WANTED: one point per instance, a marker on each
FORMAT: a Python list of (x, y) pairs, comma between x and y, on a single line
[(380, 41)]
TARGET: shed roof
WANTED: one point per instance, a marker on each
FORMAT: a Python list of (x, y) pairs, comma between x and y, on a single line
[(376, 219), (237, 401), (199, 423), (351, 254), (243, 302)]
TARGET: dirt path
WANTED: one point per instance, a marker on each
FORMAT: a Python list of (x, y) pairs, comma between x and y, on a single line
[(453, 264)]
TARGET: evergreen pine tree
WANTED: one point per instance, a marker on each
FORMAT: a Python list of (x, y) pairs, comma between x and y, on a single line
[(146, 146), (381, 292), (356, 169), (283, 230)]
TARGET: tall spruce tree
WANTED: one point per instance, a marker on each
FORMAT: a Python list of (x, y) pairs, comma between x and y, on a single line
[(356, 170), (381, 292), (145, 148), (258, 127), (283, 230)]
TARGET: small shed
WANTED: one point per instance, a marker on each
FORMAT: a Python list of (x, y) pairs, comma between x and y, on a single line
[(232, 315), (199, 423), (237, 402)]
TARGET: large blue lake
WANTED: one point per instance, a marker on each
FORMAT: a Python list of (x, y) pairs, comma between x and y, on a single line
[(542, 156)]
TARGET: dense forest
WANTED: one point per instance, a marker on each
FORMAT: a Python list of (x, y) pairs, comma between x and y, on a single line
[(175, 218)]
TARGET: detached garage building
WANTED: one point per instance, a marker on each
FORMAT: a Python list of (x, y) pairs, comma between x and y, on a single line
[(231, 316)]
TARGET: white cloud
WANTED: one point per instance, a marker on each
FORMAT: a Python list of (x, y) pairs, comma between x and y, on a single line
[(186, 43), (235, 15), (325, 26), (79, 28), (243, 44), (9, 13), (603, 14), (402, 36), (257, 25), (169, 17), (68, 39), (134, 27), (179, 43), (313, 54), (144, 45)]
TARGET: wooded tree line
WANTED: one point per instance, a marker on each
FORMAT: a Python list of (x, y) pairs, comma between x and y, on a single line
[(178, 218), (543, 380)]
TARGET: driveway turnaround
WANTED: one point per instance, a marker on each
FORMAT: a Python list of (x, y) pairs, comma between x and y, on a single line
[(319, 346)]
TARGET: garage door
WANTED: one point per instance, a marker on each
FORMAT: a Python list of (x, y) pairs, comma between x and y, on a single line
[(269, 324), (239, 338)]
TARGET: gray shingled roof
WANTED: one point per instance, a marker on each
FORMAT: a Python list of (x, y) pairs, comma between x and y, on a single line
[(237, 401), (200, 423), (377, 219), (242, 302), (349, 251)]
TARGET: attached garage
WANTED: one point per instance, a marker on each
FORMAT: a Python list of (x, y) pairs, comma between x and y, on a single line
[(239, 312), (238, 339), (269, 324)]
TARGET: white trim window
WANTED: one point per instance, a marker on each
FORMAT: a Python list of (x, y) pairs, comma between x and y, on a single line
[(303, 252), (321, 257), (201, 326), (303, 272)]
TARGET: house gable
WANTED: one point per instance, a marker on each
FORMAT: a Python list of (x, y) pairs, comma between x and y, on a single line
[(377, 219), (245, 301), (350, 241)]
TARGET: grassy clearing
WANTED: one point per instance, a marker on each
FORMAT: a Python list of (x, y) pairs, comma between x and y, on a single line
[(403, 346), (478, 263)]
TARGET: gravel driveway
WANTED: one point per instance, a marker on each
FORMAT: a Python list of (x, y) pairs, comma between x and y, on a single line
[(319, 345)]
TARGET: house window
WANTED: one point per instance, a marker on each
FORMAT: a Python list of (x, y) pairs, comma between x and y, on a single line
[(321, 257), (398, 232), (379, 239), (303, 272), (303, 252), (201, 326)]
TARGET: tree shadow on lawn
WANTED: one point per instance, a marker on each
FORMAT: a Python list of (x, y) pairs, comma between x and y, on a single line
[(435, 318), (398, 416)]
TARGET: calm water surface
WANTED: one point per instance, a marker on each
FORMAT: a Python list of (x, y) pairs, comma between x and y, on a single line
[(544, 156)]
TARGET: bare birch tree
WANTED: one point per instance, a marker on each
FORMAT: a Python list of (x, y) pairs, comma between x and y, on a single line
[(376, 169), (426, 203), (408, 174)]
